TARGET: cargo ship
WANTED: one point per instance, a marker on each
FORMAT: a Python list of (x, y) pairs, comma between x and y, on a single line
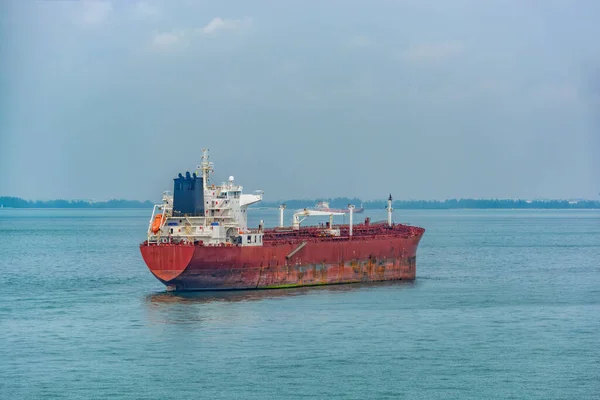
[(198, 239)]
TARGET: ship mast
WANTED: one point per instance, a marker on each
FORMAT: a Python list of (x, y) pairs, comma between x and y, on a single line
[(389, 210), (281, 208), (206, 167)]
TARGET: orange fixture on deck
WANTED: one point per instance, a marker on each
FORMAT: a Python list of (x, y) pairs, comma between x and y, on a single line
[(157, 223)]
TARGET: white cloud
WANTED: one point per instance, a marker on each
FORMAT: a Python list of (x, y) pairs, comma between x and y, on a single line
[(168, 40), (145, 9), (95, 12), (218, 24), (425, 53)]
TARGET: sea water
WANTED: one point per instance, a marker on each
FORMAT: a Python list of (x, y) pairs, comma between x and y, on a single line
[(506, 304)]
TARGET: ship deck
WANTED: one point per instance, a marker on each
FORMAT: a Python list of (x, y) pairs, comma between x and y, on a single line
[(276, 236), (311, 234)]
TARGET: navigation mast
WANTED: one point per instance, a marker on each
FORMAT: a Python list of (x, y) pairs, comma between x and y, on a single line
[(206, 167)]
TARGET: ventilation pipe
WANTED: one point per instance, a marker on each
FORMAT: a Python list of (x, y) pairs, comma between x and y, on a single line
[(389, 210), (281, 208), (351, 208)]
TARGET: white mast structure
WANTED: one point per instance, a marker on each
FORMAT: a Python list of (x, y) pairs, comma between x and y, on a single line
[(351, 208), (206, 167), (389, 210), (281, 208)]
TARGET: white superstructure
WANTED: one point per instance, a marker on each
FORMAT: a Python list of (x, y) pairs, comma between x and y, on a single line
[(224, 221)]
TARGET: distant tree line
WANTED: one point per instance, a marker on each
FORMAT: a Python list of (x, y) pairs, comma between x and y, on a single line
[(342, 202), (16, 202), (337, 202)]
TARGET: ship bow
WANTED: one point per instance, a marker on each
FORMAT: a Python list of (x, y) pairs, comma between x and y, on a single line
[(167, 262)]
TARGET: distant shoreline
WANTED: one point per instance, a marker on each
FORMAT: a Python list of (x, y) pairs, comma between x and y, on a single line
[(452, 204), (17, 202), (340, 202)]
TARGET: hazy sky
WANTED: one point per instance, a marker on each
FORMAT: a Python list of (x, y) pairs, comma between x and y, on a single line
[(423, 99)]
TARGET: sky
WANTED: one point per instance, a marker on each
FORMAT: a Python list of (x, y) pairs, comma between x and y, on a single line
[(301, 99)]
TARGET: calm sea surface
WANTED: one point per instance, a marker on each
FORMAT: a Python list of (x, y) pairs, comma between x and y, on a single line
[(506, 305)]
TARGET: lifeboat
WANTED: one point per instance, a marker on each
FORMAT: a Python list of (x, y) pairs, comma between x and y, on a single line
[(156, 225)]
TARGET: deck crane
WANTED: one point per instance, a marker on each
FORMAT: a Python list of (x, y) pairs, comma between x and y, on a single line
[(308, 213)]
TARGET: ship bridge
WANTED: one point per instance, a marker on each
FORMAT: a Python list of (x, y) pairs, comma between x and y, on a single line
[(199, 211)]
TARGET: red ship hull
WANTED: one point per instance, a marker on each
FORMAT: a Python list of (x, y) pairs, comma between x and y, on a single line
[(374, 254)]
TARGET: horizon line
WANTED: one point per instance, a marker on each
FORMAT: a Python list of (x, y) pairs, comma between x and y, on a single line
[(537, 199)]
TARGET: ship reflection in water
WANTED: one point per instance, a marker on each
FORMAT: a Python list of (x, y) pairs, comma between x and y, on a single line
[(206, 307), (225, 296)]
